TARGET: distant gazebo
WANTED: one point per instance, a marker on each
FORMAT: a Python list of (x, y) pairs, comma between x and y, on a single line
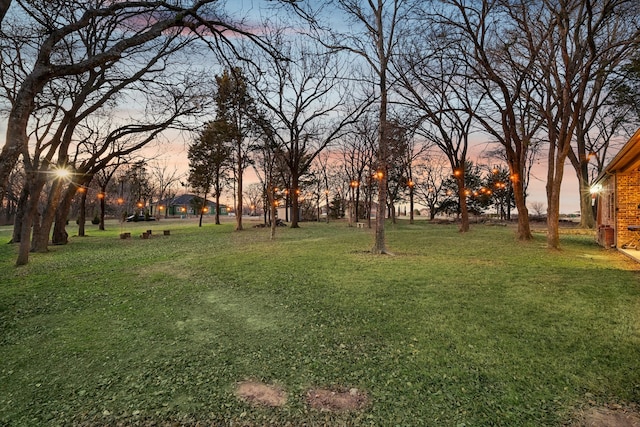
[(617, 190)]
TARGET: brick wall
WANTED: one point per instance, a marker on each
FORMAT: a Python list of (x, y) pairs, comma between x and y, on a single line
[(628, 200)]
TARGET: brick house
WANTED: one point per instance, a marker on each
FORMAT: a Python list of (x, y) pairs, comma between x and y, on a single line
[(185, 205), (617, 189)]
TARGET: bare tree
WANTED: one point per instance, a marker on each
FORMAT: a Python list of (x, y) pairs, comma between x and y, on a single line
[(128, 32), (309, 101), (500, 57), (374, 26), (358, 163), (435, 85), (589, 41), (596, 42), (429, 179), (165, 178)]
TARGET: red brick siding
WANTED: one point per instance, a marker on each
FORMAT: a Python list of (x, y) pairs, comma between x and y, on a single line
[(628, 200)]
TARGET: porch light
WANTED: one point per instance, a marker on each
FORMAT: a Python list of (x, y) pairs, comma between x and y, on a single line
[(595, 189)]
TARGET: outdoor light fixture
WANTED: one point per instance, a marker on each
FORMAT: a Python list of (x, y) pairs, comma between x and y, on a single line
[(595, 189), (61, 172)]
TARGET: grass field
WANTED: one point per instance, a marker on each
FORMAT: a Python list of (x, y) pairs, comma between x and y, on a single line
[(455, 329)]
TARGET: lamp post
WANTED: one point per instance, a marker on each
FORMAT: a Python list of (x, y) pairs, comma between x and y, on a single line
[(353, 184), (101, 197), (120, 202)]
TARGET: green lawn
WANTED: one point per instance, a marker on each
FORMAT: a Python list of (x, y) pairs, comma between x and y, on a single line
[(453, 330)]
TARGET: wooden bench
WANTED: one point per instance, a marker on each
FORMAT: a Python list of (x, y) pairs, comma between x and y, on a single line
[(360, 224)]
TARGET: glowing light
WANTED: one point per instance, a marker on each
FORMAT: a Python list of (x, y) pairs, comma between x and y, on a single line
[(595, 189), (100, 196), (61, 173)]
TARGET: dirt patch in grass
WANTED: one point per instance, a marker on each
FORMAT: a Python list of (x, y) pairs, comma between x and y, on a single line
[(608, 416), (337, 400), (261, 394)]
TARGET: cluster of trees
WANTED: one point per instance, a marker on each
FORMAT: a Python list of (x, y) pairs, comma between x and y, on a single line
[(551, 81), (86, 84), (372, 87)]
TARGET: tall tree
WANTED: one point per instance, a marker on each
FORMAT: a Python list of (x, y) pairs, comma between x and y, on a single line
[(236, 107), (590, 39), (591, 51), (308, 101), (122, 35), (435, 85), (486, 35), (165, 180), (374, 26), (210, 160)]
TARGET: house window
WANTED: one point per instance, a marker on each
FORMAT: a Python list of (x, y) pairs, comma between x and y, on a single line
[(612, 204)]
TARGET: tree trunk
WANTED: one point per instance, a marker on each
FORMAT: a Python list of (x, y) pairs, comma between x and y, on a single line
[(60, 235), (272, 211), (82, 218), (4, 6), (554, 182), (379, 246), (41, 232), (239, 189), (411, 204), (553, 215), (30, 218), (326, 199), (587, 217), (25, 236), (524, 229), (103, 192), (21, 211), (217, 207), (16, 136), (295, 203), (462, 200), (392, 213)]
